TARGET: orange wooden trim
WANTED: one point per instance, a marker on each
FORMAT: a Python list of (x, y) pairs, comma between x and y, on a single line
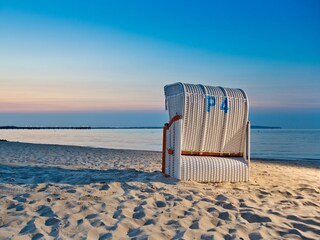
[(216, 154), (175, 118), (164, 144), (170, 151)]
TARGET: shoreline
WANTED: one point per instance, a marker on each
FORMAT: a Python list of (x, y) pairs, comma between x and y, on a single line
[(303, 162), (56, 191), (89, 127)]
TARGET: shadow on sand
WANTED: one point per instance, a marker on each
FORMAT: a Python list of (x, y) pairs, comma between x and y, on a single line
[(37, 175)]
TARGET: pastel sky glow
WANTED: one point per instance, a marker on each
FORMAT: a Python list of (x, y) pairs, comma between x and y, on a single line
[(103, 57)]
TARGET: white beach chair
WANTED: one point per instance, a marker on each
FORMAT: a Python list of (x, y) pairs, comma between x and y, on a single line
[(208, 136)]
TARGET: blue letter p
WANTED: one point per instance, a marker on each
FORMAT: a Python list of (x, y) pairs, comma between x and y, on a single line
[(211, 101)]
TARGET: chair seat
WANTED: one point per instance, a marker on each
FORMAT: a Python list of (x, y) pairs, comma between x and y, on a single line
[(214, 169)]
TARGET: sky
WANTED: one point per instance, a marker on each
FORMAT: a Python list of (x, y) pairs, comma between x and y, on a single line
[(105, 63)]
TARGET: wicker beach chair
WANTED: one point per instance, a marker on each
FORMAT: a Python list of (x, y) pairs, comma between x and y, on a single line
[(208, 136)]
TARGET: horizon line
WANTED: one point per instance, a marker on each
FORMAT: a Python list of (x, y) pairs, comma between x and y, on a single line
[(8, 127)]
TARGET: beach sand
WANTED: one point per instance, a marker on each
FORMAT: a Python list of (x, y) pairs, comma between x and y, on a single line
[(66, 192)]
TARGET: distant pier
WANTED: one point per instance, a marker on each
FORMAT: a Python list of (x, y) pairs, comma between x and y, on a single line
[(40, 128)]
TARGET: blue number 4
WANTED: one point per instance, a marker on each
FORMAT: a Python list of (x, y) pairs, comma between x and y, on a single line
[(224, 106)]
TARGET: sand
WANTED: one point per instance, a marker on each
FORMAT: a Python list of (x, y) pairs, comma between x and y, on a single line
[(66, 192)]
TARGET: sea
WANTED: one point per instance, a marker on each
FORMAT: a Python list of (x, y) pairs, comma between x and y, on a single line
[(288, 144)]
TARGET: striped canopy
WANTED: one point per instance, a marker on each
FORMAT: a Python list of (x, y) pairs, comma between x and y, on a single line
[(213, 118)]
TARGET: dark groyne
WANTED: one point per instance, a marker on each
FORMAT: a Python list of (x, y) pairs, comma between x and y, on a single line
[(39, 128)]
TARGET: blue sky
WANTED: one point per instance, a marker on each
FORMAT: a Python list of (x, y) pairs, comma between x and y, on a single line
[(96, 62)]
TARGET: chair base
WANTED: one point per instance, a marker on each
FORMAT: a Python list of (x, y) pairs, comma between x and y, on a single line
[(214, 169)]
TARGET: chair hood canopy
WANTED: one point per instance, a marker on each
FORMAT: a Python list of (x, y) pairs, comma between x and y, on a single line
[(213, 119)]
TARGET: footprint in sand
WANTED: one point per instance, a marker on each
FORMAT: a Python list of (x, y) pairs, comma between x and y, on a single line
[(138, 215), (18, 207), (187, 213), (133, 232), (71, 191), (117, 213), (174, 223), (52, 221), (178, 199), (229, 237), (212, 209), (142, 196), (20, 199), (54, 232), (160, 204), (255, 236), (96, 223), (91, 216), (195, 225), (104, 187), (45, 211), (206, 237), (105, 236), (221, 198), (206, 200), (168, 196), (254, 218), (29, 228), (37, 236), (79, 222), (149, 222), (224, 216), (189, 198), (229, 206), (32, 202)]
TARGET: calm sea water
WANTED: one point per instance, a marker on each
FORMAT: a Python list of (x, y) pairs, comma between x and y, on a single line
[(291, 144)]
